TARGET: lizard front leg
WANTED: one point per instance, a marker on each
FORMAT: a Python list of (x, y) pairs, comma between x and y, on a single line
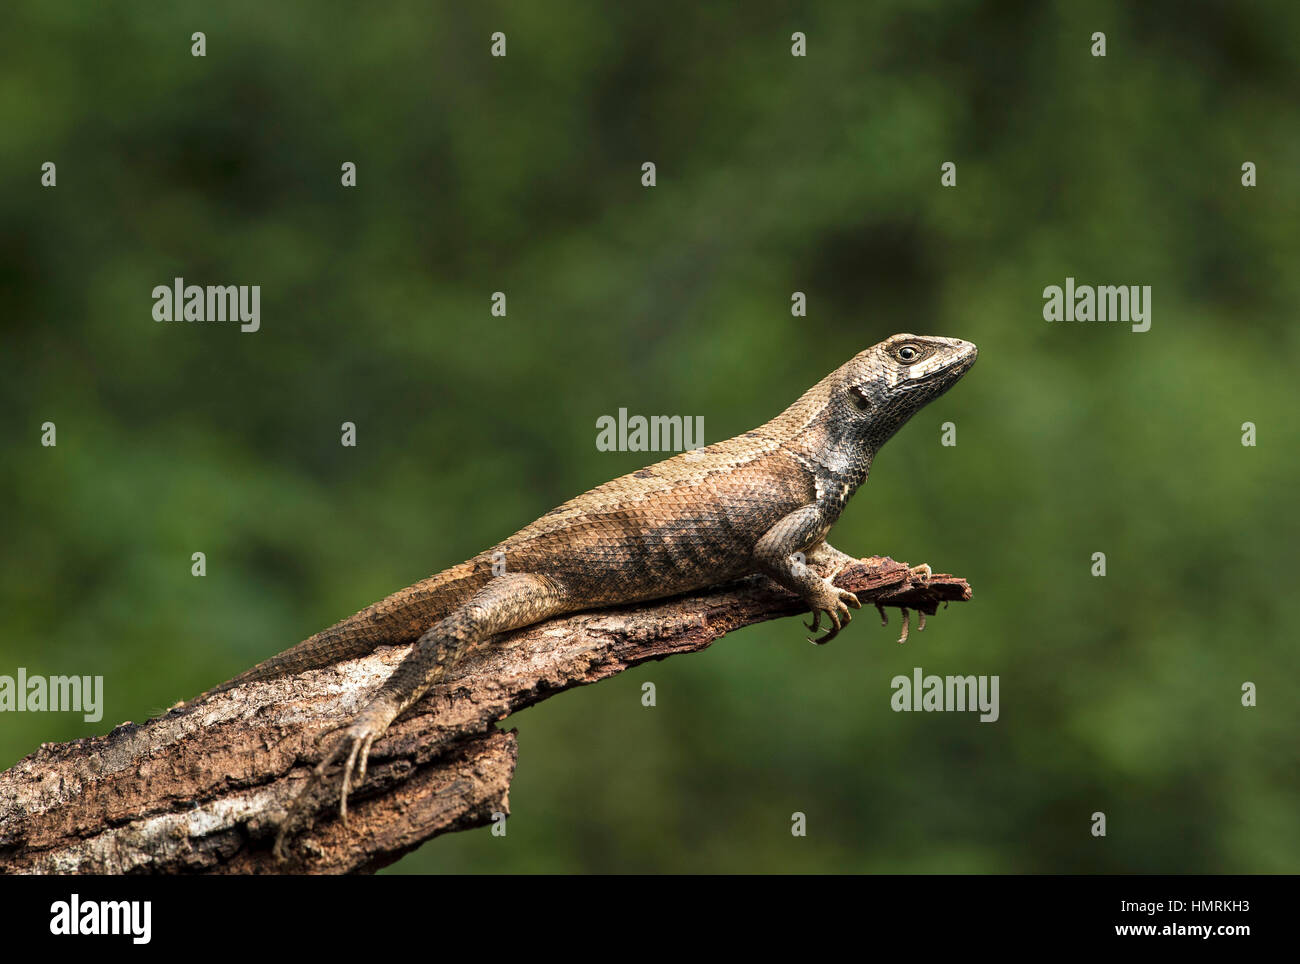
[(825, 554), (775, 554), (507, 602)]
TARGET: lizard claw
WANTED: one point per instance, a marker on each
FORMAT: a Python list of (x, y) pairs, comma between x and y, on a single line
[(837, 611), (360, 737), (357, 759), (357, 740)]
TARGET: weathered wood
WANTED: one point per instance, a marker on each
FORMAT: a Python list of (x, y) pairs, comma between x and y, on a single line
[(202, 790)]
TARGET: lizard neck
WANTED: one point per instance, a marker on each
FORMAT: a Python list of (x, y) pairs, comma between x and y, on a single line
[(826, 446), (837, 463), (837, 477)]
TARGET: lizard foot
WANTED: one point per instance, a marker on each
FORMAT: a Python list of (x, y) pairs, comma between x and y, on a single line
[(835, 603), (358, 737)]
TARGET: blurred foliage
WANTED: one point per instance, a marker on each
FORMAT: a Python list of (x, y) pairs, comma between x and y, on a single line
[(775, 174)]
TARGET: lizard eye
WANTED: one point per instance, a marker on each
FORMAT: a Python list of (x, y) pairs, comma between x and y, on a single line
[(908, 354)]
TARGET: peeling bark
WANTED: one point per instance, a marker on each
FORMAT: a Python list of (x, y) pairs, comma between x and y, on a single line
[(202, 789)]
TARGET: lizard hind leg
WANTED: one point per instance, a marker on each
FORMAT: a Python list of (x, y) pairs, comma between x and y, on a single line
[(510, 601)]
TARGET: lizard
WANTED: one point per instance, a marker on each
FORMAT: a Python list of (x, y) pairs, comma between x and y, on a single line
[(762, 502)]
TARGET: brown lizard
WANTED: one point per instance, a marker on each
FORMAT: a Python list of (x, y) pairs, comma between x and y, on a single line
[(762, 502)]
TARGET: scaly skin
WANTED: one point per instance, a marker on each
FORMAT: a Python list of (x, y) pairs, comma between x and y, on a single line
[(761, 502)]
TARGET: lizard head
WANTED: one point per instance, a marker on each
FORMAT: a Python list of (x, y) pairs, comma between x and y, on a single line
[(842, 421), (882, 387)]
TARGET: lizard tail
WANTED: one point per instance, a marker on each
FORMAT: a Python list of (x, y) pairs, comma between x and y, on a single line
[(400, 618), (333, 645)]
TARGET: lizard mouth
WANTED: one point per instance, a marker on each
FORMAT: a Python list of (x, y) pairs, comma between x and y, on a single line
[(949, 372)]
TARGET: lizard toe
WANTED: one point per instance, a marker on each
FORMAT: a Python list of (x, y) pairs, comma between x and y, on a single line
[(347, 778), (837, 621), (365, 757)]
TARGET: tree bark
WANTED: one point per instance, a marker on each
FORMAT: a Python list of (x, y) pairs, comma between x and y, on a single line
[(202, 789)]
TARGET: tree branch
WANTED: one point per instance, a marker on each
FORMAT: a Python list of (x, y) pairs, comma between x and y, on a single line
[(201, 790)]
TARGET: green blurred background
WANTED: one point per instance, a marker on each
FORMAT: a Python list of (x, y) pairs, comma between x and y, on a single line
[(775, 174)]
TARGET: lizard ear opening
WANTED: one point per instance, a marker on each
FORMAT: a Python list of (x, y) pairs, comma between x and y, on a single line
[(861, 400)]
